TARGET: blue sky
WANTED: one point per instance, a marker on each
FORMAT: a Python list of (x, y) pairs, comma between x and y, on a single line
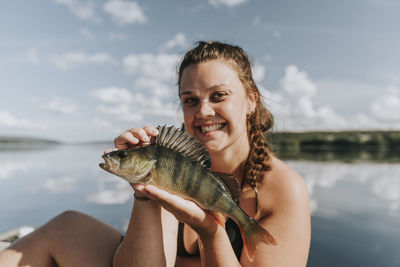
[(85, 70)]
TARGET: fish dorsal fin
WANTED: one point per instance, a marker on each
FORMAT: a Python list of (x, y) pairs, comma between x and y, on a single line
[(232, 183), (183, 143)]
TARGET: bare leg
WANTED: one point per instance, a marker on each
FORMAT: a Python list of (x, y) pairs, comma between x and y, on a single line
[(70, 239)]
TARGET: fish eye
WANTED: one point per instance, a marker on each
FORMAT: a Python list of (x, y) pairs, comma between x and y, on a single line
[(122, 154)]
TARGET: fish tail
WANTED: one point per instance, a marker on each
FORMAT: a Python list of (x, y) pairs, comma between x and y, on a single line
[(252, 234)]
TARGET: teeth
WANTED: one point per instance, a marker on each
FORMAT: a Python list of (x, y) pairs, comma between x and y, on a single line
[(210, 128)]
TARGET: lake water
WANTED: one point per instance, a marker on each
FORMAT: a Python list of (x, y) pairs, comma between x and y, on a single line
[(355, 206)]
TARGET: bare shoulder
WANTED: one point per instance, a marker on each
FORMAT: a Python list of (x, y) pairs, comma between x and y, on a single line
[(283, 192), (285, 213), (283, 188)]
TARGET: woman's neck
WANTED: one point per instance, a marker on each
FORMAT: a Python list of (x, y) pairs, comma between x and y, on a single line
[(231, 160)]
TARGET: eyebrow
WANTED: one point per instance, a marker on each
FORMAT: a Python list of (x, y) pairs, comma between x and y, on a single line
[(190, 92)]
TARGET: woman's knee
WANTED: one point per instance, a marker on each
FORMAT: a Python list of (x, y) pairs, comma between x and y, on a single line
[(67, 219)]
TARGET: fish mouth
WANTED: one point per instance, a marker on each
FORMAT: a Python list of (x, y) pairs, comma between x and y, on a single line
[(110, 163)]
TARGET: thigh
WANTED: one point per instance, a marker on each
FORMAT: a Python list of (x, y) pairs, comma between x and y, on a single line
[(70, 239), (82, 240)]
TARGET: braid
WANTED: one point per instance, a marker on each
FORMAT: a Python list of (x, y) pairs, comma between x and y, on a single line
[(258, 160), (260, 121)]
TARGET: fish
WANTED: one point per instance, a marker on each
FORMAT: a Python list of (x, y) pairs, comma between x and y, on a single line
[(177, 162)]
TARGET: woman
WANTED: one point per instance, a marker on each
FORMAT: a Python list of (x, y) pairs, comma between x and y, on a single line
[(222, 108)]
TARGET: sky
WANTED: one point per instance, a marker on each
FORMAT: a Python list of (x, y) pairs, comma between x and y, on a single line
[(87, 70)]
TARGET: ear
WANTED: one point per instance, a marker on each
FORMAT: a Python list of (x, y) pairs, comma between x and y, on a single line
[(251, 103)]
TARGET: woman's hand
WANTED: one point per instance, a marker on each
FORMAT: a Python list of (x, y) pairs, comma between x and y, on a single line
[(186, 211), (133, 138)]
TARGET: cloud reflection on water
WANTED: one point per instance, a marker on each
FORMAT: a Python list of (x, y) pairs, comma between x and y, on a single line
[(119, 194), (57, 185), (10, 168), (382, 180)]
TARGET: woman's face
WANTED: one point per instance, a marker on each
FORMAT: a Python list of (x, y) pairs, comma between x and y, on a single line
[(215, 105)]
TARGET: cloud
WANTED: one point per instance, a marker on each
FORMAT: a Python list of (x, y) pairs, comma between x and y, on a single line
[(125, 106), (161, 67), (101, 123), (295, 104), (276, 34), (33, 56), (85, 32), (112, 95), (118, 105), (60, 105), (296, 83), (258, 71), (9, 121), (256, 21), (121, 112), (74, 60), (157, 88), (124, 12), (117, 36), (293, 107), (82, 9), (152, 100), (386, 108), (228, 3), (179, 41)]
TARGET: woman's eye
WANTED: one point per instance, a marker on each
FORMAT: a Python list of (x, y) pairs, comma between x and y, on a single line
[(189, 101), (219, 95)]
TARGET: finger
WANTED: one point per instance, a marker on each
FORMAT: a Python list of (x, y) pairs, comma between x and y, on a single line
[(125, 140), (140, 134), (151, 131), (138, 187), (219, 217), (139, 190), (178, 206)]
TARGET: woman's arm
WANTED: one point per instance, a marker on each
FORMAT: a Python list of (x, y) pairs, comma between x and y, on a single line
[(150, 239), (214, 245), (216, 249)]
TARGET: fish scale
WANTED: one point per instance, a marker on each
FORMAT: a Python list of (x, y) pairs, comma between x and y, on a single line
[(178, 163)]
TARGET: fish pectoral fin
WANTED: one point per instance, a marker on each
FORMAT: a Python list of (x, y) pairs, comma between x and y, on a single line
[(232, 183)]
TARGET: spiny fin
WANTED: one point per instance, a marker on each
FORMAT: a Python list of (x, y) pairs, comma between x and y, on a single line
[(183, 143), (232, 183)]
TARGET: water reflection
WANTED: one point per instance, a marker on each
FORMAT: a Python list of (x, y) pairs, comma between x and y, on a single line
[(56, 185), (120, 194), (355, 202), (364, 180)]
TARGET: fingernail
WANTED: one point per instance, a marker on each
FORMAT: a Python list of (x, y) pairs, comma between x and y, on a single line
[(139, 187), (155, 131)]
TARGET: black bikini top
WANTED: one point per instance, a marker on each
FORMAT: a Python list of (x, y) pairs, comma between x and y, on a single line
[(232, 231)]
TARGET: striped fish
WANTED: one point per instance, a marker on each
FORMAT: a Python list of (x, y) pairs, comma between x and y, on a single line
[(178, 163)]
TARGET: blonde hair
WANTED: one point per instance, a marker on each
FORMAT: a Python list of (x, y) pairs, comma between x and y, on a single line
[(260, 121)]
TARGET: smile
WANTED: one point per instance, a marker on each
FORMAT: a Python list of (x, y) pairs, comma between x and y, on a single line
[(211, 128)]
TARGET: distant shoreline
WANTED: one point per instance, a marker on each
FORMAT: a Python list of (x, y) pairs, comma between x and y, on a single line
[(325, 145), (340, 145)]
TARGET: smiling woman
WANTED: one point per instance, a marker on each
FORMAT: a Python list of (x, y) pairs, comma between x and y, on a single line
[(223, 110)]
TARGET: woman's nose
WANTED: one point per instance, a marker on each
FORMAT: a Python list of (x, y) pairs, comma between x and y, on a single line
[(205, 110)]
